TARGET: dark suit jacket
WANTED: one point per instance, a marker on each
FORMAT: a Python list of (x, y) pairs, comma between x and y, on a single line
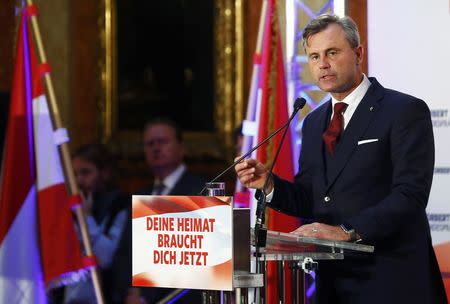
[(188, 184), (381, 189)]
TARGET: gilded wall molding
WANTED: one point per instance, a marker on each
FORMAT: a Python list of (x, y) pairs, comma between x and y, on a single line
[(229, 72), (108, 69), (228, 80)]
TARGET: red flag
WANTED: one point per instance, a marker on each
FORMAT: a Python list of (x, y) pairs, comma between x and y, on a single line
[(38, 245), (273, 114)]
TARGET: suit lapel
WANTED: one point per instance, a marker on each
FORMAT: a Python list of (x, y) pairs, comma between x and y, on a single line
[(354, 131), (178, 188), (318, 126), (323, 120)]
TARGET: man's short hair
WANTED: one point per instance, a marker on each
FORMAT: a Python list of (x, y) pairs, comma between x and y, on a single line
[(168, 122), (320, 23)]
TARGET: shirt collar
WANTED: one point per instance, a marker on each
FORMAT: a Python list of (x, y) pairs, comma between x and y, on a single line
[(354, 98), (170, 180)]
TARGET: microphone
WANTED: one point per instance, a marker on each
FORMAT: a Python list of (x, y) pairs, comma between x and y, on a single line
[(298, 105), (260, 232)]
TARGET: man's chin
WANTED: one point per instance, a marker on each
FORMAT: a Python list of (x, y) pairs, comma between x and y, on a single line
[(327, 88), (332, 88), (157, 162), (160, 167)]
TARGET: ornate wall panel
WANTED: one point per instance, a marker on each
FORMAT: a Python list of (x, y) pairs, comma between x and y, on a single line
[(207, 151)]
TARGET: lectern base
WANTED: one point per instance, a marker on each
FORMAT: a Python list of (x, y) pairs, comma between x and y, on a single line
[(242, 281)]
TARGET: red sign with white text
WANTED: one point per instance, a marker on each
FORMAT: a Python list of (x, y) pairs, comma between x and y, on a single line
[(182, 242)]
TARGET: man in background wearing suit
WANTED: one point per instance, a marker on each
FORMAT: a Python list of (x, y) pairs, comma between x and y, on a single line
[(164, 153), (366, 168)]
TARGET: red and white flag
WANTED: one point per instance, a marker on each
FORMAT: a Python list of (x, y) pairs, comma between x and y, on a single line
[(39, 248), (270, 111)]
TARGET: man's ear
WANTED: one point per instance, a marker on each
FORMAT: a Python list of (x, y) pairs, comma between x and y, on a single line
[(182, 151), (359, 52)]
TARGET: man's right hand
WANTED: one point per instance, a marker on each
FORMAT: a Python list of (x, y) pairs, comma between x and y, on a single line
[(253, 174)]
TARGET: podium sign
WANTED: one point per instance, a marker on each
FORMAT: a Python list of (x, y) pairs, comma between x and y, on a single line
[(182, 242)]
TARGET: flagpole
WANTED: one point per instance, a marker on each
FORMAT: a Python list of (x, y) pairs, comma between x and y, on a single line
[(252, 99), (65, 156)]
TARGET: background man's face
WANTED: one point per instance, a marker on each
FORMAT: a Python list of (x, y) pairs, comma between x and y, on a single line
[(161, 147), (87, 175)]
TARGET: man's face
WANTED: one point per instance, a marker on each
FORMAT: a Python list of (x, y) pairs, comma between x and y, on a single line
[(87, 175), (334, 64), (162, 149)]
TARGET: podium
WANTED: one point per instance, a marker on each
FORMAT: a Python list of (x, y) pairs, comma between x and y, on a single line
[(303, 255), (201, 242), (287, 246)]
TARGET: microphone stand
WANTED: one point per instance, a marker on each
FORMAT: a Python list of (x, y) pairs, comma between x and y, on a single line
[(299, 104), (260, 230), (244, 156)]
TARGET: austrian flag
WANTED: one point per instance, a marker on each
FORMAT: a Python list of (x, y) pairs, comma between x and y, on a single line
[(39, 248)]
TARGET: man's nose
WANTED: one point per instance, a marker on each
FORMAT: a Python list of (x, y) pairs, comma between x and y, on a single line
[(324, 63), (155, 148), (79, 180), (152, 145)]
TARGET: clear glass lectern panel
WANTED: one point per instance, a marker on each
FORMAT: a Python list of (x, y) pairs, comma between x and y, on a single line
[(291, 247)]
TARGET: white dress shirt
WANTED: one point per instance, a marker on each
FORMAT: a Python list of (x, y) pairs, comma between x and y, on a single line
[(353, 99), (171, 180)]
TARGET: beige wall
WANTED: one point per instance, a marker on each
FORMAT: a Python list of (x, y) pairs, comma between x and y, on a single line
[(54, 20)]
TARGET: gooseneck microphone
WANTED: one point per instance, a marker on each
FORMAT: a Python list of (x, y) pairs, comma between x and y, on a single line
[(298, 105), (260, 232)]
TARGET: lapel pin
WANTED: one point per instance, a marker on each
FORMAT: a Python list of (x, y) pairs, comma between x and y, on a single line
[(371, 109)]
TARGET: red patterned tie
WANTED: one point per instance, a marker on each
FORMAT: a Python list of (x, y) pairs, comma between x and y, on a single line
[(332, 134)]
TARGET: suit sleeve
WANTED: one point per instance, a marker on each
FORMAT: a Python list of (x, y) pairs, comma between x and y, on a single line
[(412, 157)]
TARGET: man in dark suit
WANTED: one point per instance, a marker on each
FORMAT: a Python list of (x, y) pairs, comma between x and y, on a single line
[(164, 153), (366, 168)]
